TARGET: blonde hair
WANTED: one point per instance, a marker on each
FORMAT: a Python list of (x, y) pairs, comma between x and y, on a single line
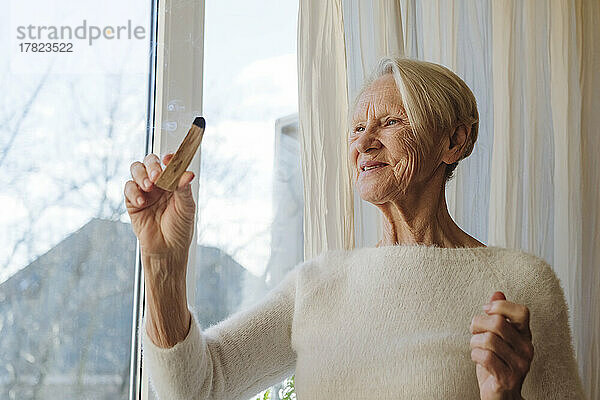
[(435, 100)]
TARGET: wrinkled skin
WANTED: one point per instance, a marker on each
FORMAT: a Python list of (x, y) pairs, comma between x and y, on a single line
[(410, 190), (381, 128), (502, 348)]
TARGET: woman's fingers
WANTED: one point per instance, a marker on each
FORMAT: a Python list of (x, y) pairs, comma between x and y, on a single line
[(492, 342), (186, 178), (144, 175), (520, 346), (517, 313), (493, 364), (153, 168), (519, 320), (167, 158), (140, 176), (134, 197), (498, 325)]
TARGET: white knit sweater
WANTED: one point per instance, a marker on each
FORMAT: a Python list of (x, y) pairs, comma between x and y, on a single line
[(374, 323)]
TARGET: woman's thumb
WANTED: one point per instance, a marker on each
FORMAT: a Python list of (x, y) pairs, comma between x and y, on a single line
[(498, 296), (183, 193)]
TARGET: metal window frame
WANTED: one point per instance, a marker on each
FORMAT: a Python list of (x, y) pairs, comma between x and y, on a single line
[(175, 83)]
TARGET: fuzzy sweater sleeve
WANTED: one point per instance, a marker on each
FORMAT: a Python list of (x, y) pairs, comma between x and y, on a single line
[(553, 373), (234, 359)]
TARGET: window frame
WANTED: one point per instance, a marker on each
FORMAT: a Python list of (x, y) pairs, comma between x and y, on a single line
[(176, 49)]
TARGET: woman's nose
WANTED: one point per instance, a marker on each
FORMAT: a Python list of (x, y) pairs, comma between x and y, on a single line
[(368, 140)]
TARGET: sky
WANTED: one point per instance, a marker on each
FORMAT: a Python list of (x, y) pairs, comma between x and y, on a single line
[(249, 79)]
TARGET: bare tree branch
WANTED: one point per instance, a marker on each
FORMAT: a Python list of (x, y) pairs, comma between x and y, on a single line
[(21, 118)]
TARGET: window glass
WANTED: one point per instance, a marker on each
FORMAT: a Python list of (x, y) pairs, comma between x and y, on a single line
[(73, 92), (251, 198)]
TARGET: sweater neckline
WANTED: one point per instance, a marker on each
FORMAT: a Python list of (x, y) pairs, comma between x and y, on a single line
[(430, 247), (438, 253)]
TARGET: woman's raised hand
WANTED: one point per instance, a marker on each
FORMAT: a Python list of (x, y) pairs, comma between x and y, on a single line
[(163, 221), (501, 349)]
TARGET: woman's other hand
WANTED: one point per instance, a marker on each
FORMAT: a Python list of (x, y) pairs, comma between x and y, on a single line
[(501, 348), (163, 221)]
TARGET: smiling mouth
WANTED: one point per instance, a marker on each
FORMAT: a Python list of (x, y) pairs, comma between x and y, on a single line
[(372, 168)]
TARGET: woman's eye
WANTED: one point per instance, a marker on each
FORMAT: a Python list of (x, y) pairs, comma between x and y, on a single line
[(359, 129), (391, 122)]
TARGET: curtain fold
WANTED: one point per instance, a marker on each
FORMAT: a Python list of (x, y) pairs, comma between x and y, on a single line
[(565, 96), (533, 179), (504, 193), (322, 109), (588, 13)]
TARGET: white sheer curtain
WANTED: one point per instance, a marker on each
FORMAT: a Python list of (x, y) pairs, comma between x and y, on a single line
[(322, 110), (541, 172), (533, 179)]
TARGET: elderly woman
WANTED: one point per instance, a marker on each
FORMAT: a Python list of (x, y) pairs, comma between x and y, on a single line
[(402, 320)]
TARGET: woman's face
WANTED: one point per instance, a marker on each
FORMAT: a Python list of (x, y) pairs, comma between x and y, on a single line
[(380, 132)]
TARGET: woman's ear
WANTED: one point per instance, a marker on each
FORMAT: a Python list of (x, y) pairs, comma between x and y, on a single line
[(457, 142)]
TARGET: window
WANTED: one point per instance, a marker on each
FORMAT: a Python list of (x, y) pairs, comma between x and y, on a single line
[(250, 196), (239, 61), (71, 122)]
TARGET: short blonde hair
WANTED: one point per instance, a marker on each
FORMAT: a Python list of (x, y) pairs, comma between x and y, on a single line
[(435, 100)]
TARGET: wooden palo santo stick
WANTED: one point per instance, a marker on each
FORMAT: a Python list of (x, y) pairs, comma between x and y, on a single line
[(169, 177)]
